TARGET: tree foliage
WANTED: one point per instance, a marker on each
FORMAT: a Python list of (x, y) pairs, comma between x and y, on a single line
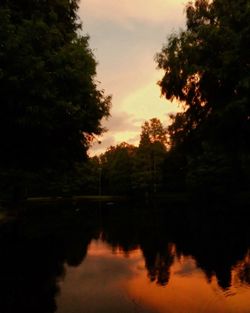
[(126, 169), (117, 169), (153, 131), (149, 156), (207, 68), (51, 106)]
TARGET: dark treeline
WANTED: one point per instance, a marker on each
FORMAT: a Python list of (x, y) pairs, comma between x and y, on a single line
[(207, 70), (125, 169), (51, 107)]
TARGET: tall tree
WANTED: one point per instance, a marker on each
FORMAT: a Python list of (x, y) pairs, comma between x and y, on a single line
[(149, 156), (153, 131), (50, 103), (51, 106), (207, 68)]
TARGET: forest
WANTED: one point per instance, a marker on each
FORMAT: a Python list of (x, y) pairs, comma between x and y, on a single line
[(52, 107), (155, 223)]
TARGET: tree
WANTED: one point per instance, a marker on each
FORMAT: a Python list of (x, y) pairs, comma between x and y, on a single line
[(207, 69), (51, 107), (153, 131), (149, 156), (117, 169)]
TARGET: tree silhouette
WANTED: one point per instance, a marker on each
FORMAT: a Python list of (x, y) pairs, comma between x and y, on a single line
[(207, 69), (51, 106)]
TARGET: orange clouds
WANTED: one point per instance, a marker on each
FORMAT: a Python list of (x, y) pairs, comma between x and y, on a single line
[(139, 105), (125, 36), (145, 102)]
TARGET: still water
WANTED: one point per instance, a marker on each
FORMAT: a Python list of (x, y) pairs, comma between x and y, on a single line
[(110, 281), (115, 260)]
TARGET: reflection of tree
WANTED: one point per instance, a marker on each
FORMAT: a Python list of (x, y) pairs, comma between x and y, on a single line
[(120, 227), (217, 240), (243, 270), (33, 250), (147, 173), (32, 262), (127, 230), (158, 263)]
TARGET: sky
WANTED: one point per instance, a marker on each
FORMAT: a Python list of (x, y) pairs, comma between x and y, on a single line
[(125, 36)]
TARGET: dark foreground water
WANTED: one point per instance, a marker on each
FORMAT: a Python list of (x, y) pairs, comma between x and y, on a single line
[(115, 259)]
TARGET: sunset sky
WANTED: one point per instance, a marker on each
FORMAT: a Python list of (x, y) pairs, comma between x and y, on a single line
[(125, 36)]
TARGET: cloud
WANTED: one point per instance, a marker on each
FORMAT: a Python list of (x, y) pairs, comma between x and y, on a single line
[(125, 36), (121, 127), (134, 140), (131, 112), (120, 122), (125, 57), (97, 285), (145, 10), (105, 142), (146, 102)]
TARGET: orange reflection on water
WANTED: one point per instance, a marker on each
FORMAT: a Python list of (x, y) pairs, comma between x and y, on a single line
[(188, 290), (101, 248), (110, 280)]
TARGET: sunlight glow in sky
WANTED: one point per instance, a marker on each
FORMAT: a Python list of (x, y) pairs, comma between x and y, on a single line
[(125, 36)]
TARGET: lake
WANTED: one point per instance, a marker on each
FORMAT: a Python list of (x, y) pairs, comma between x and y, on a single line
[(109, 258)]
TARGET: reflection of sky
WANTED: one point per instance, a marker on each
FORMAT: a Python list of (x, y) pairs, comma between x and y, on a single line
[(99, 284), (112, 282), (125, 36)]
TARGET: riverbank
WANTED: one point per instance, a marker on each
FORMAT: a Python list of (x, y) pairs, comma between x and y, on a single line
[(167, 201)]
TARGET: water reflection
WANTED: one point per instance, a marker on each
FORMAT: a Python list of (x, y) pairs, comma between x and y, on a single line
[(126, 260), (241, 272), (109, 281), (217, 241), (32, 258)]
